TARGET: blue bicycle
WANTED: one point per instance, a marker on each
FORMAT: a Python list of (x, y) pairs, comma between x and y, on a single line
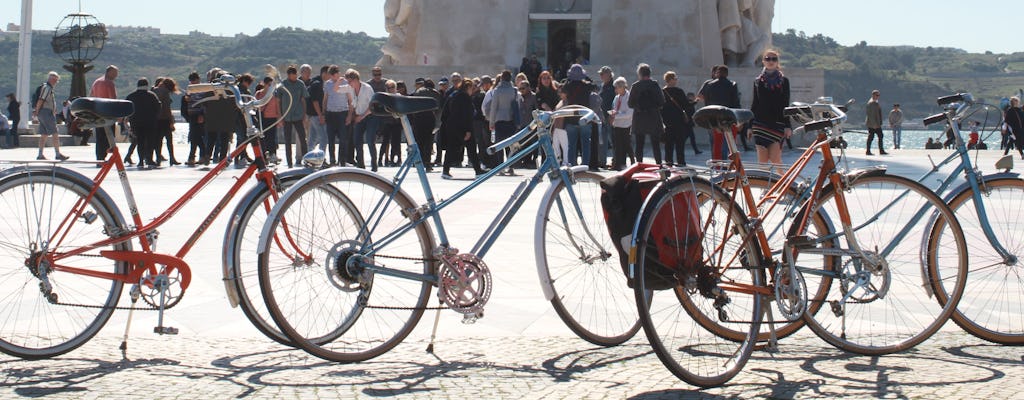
[(373, 259), (991, 307)]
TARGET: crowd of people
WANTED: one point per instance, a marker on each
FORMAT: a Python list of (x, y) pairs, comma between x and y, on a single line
[(331, 111)]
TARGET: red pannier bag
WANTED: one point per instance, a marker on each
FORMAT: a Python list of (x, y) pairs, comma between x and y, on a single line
[(675, 241)]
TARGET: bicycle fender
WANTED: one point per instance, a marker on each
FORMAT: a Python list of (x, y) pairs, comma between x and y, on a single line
[(542, 273), (244, 202), (984, 179)]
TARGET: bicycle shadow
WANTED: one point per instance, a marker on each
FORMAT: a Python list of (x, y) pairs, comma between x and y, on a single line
[(282, 368), (67, 375)]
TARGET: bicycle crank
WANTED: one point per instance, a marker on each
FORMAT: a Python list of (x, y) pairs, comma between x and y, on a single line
[(790, 292), (464, 285)]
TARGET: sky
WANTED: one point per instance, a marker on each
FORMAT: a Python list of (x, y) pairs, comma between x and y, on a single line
[(989, 26)]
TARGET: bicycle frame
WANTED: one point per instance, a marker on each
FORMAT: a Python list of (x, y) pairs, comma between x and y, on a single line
[(974, 181), (141, 262), (431, 210)]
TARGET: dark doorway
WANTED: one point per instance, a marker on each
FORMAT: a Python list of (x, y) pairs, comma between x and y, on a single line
[(563, 47)]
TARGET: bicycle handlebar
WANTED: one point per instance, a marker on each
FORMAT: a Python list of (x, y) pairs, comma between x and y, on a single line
[(544, 119), (823, 115), (953, 98), (935, 118), (227, 83), (962, 101)]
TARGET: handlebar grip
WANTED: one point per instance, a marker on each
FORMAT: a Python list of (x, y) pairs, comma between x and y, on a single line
[(934, 118), (953, 98), (817, 125), (796, 110)]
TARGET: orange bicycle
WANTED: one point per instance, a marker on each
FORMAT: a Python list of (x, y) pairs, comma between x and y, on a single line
[(849, 253), (67, 250)]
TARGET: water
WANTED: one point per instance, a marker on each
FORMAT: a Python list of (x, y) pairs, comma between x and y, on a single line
[(913, 139)]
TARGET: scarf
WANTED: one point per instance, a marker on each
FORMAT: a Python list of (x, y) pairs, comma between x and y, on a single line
[(771, 79)]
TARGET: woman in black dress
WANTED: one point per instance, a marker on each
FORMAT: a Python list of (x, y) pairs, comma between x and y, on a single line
[(771, 96)]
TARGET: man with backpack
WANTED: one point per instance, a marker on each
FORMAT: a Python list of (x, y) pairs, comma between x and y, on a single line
[(44, 109)]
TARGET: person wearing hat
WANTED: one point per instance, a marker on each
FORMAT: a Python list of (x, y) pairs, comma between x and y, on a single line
[(577, 92), (143, 122), (896, 124)]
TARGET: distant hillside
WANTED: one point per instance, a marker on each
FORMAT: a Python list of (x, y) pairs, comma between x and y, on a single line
[(911, 76), (142, 54)]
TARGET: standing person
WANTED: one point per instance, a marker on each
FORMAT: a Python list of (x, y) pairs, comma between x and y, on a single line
[(873, 121), (14, 114), (336, 103), (1014, 127), (423, 123), (269, 114), (165, 120), (896, 125), (242, 159), (481, 133), (5, 131), (444, 87), (577, 93), (646, 99), (547, 92), (372, 123), (293, 95), (315, 110), (503, 113), (607, 93), (362, 93), (720, 91), (621, 117), (220, 117), (104, 88), (196, 127), (391, 135), (457, 126), (771, 96), (45, 111), (673, 114), (144, 121)]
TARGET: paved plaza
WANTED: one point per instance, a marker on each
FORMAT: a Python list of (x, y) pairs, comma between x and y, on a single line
[(520, 349)]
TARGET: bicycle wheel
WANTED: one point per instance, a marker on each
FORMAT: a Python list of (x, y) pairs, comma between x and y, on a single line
[(991, 309), (883, 302), (778, 225), (716, 290), (313, 296), (241, 240), (37, 323), (576, 260)]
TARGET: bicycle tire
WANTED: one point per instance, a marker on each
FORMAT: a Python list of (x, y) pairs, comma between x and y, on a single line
[(365, 313), (36, 200), (991, 307), (241, 242), (778, 225), (672, 318), (897, 308), (589, 290)]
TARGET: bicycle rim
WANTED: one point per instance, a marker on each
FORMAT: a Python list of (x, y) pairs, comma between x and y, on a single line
[(891, 305), (590, 291), (680, 322), (35, 203), (327, 309)]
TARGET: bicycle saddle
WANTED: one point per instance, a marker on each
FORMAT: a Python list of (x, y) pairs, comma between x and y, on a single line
[(96, 112), (387, 104), (713, 117)]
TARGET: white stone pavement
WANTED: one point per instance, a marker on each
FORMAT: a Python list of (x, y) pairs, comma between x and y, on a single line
[(520, 349)]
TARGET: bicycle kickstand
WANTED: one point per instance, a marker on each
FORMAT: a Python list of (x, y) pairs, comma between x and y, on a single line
[(773, 340), (433, 333), (135, 294)]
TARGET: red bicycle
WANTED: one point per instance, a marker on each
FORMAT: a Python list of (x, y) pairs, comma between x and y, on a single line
[(66, 250)]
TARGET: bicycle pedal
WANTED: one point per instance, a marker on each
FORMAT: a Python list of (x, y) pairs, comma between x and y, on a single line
[(165, 330), (802, 242)]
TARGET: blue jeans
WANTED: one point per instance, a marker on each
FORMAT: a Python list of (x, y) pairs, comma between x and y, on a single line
[(366, 132), (317, 133), (897, 131), (606, 142), (579, 139)]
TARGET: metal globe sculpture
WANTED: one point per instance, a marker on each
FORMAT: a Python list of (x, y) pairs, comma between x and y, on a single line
[(79, 39)]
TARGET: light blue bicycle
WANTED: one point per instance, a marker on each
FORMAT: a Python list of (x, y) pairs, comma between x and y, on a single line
[(373, 258), (989, 209)]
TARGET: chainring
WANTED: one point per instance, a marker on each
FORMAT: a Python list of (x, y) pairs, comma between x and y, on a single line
[(862, 281), (464, 283), (790, 292), (152, 285)]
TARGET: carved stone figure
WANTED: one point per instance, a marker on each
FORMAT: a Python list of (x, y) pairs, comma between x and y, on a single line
[(397, 15), (746, 29)]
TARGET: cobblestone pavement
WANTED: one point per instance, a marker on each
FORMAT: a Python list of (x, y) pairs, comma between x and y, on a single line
[(520, 350), (950, 365)]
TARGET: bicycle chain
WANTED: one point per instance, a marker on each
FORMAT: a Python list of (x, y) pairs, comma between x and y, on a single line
[(150, 308)]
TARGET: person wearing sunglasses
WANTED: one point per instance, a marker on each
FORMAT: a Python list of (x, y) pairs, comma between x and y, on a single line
[(771, 96)]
